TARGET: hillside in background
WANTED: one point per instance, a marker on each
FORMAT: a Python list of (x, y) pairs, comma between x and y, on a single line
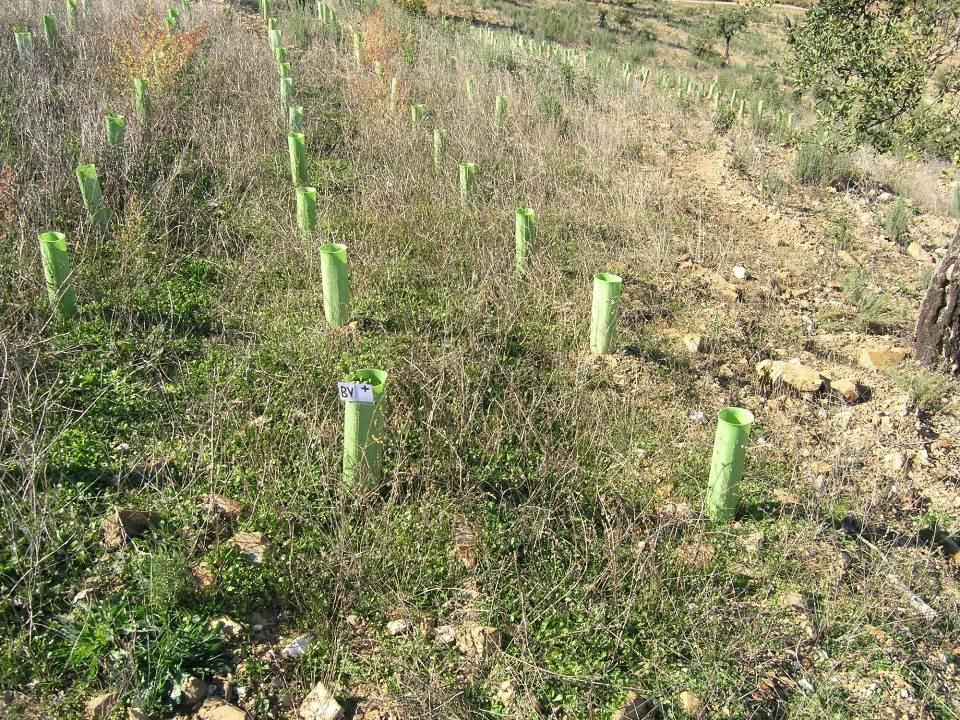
[(180, 536)]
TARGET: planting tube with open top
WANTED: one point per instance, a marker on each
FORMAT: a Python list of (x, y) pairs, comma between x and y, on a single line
[(439, 146), (525, 225), (286, 91), (116, 130), (335, 280), (92, 195), (306, 210), (56, 271), (500, 110), (24, 45), (297, 143), (358, 49), (468, 182), (417, 113), (141, 87), (726, 468), (607, 289), (50, 33), (394, 87), (71, 13), (363, 431), (296, 119)]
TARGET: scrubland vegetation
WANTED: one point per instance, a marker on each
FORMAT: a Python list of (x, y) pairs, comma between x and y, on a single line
[(178, 538)]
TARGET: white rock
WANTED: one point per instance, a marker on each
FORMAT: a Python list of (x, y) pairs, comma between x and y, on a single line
[(446, 634), (216, 709), (916, 251), (99, 707), (399, 627), (319, 704), (297, 646), (740, 272)]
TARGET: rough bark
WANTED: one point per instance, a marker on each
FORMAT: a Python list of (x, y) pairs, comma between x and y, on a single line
[(938, 327)]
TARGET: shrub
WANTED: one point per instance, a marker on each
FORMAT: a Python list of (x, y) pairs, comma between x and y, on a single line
[(819, 163), (381, 41), (874, 310), (701, 44), (150, 51), (897, 222), (840, 232), (298, 28), (551, 110), (929, 391), (412, 7), (723, 118)]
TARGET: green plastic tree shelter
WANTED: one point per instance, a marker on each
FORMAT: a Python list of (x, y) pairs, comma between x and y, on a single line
[(363, 430), (71, 13), (50, 33), (500, 110), (439, 146), (266, 11), (607, 289), (284, 69), (297, 143), (295, 123), (358, 49), (56, 271), (526, 224), (275, 39), (336, 288), (306, 209), (468, 182), (726, 468), (281, 55), (286, 91), (394, 88), (327, 16), (24, 45), (417, 113), (471, 83), (141, 87), (116, 130), (92, 195), (272, 24)]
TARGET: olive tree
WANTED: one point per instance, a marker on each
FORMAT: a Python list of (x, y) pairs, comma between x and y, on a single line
[(870, 66), (730, 24)]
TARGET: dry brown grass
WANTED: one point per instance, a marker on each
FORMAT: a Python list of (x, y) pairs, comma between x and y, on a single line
[(145, 48)]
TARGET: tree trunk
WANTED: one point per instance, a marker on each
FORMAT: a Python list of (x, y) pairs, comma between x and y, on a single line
[(938, 327), (726, 51)]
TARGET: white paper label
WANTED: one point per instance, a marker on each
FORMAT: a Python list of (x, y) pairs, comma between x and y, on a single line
[(355, 392)]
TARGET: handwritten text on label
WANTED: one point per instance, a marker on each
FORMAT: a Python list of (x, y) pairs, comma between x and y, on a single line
[(355, 392)]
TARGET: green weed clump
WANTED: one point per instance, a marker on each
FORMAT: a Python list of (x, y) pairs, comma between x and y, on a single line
[(724, 118), (929, 391), (875, 311), (897, 221), (819, 163)]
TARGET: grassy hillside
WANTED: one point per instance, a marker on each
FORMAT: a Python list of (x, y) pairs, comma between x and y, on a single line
[(173, 511)]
